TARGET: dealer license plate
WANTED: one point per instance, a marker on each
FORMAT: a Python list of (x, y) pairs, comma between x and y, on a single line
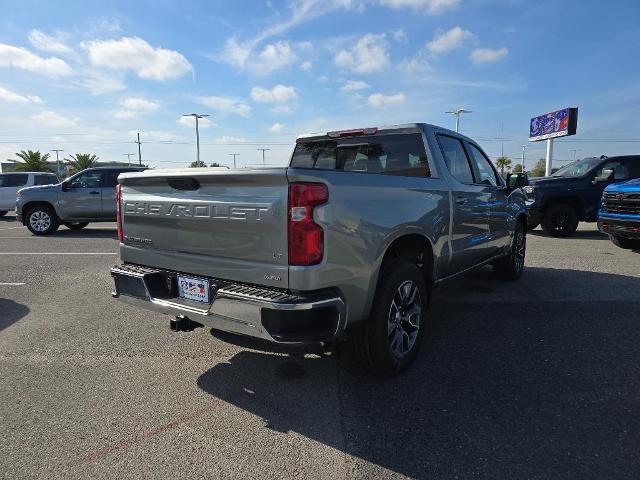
[(195, 289)]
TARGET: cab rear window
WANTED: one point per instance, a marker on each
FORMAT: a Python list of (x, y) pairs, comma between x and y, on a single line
[(402, 155)]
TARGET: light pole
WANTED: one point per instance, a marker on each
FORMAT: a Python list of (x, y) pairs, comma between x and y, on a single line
[(57, 161), (457, 113), (129, 155), (523, 149), (263, 150), (234, 155), (575, 152), (197, 116)]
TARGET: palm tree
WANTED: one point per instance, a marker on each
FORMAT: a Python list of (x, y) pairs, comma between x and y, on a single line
[(31, 162), (82, 161), (503, 163)]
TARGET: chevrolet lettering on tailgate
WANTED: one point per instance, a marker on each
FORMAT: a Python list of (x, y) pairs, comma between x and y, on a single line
[(209, 210)]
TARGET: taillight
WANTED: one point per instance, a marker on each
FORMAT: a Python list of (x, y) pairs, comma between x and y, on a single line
[(119, 214), (306, 238)]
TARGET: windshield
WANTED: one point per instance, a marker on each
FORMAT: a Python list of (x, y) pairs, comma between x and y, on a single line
[(577, 169)]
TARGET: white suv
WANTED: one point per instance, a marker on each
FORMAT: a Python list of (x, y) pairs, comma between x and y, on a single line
[(10, 183)]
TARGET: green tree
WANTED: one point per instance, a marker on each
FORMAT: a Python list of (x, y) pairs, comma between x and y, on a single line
[(82, 161), (539, 168), (518, 168), (197, 164), (503, 163), (31, 162)]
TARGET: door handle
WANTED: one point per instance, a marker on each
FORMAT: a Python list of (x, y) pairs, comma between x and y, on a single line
[(94, 192), (461, 200)]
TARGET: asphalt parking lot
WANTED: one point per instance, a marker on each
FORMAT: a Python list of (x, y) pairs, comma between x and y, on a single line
[(534, 379)]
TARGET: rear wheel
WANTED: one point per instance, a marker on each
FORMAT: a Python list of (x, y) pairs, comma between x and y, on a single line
[(76, 225), (512, 266), (626, 243), (3, 213), (388, 342), (42, 220), (560, 220)]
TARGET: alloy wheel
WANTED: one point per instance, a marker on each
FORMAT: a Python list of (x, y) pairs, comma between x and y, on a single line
[(40, 221), (404, 318)]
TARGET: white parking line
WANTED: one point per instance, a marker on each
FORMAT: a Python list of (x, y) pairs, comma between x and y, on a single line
[(14, 284), (12, 228), (58, 253)]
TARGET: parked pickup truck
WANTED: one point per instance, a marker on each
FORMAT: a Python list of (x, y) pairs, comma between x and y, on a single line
[(619, 215), (88, 196), (351, 236), (573, 193)]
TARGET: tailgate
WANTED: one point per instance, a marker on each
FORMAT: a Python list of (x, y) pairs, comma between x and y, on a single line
[(223, 224)]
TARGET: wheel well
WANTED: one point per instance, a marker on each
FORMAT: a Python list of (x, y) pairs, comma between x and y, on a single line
[(28, 206), (573, 201), (522, 218), (416, 249)]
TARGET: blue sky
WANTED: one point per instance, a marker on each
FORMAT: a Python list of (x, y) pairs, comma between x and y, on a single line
[(86, 76)]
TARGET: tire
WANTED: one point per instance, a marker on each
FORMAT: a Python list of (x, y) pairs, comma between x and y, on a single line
[(532, 226), (511, 267), (3, 213), (626, 243), (389, 340), (42, 220), (560, 220), (76, 225)]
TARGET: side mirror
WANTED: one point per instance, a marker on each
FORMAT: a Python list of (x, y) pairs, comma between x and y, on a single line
[(605, 176), (517, 180), (65, 186)]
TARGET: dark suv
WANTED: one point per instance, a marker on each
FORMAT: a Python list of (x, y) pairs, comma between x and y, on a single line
[(88, 196), (573, 193)]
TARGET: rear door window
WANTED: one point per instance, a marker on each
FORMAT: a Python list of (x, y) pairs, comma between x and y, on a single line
[(455, 158), (400, 154), (110, 178), (14, 180), (45, 180)]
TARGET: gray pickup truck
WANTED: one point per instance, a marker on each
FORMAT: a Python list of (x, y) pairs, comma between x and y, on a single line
[(88, 196), (351, 237)]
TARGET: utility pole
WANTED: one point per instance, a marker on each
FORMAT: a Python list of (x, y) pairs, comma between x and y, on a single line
[(263, 150), (57, 161), (129, 155), (457, 113), (197, 116), (139, 151), (234, 155)]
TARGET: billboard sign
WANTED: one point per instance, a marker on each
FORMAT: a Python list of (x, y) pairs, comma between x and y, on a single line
[(561, 123)]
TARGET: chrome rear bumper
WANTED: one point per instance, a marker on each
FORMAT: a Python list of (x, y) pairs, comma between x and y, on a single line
[(259, 312)]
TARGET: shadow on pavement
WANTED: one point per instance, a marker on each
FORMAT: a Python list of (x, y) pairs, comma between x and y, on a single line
[(510, 385), (578, 234), (11, 312), (86, 232)]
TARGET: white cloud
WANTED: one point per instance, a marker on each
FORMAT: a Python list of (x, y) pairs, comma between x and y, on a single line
[(306, 65), (13, 97), (276, 127), (134, 107), (137, 55), (98, 83), (380, 100), (431, 7), (230, 139), (226, 105), (278, 94), (47, 43), (273, 57), (283, 110), (449, 40), (48, 118), (399, 36), (414, 65), (368, 55), (354, 86), (488, 55), (191, 122), (23, 59)]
